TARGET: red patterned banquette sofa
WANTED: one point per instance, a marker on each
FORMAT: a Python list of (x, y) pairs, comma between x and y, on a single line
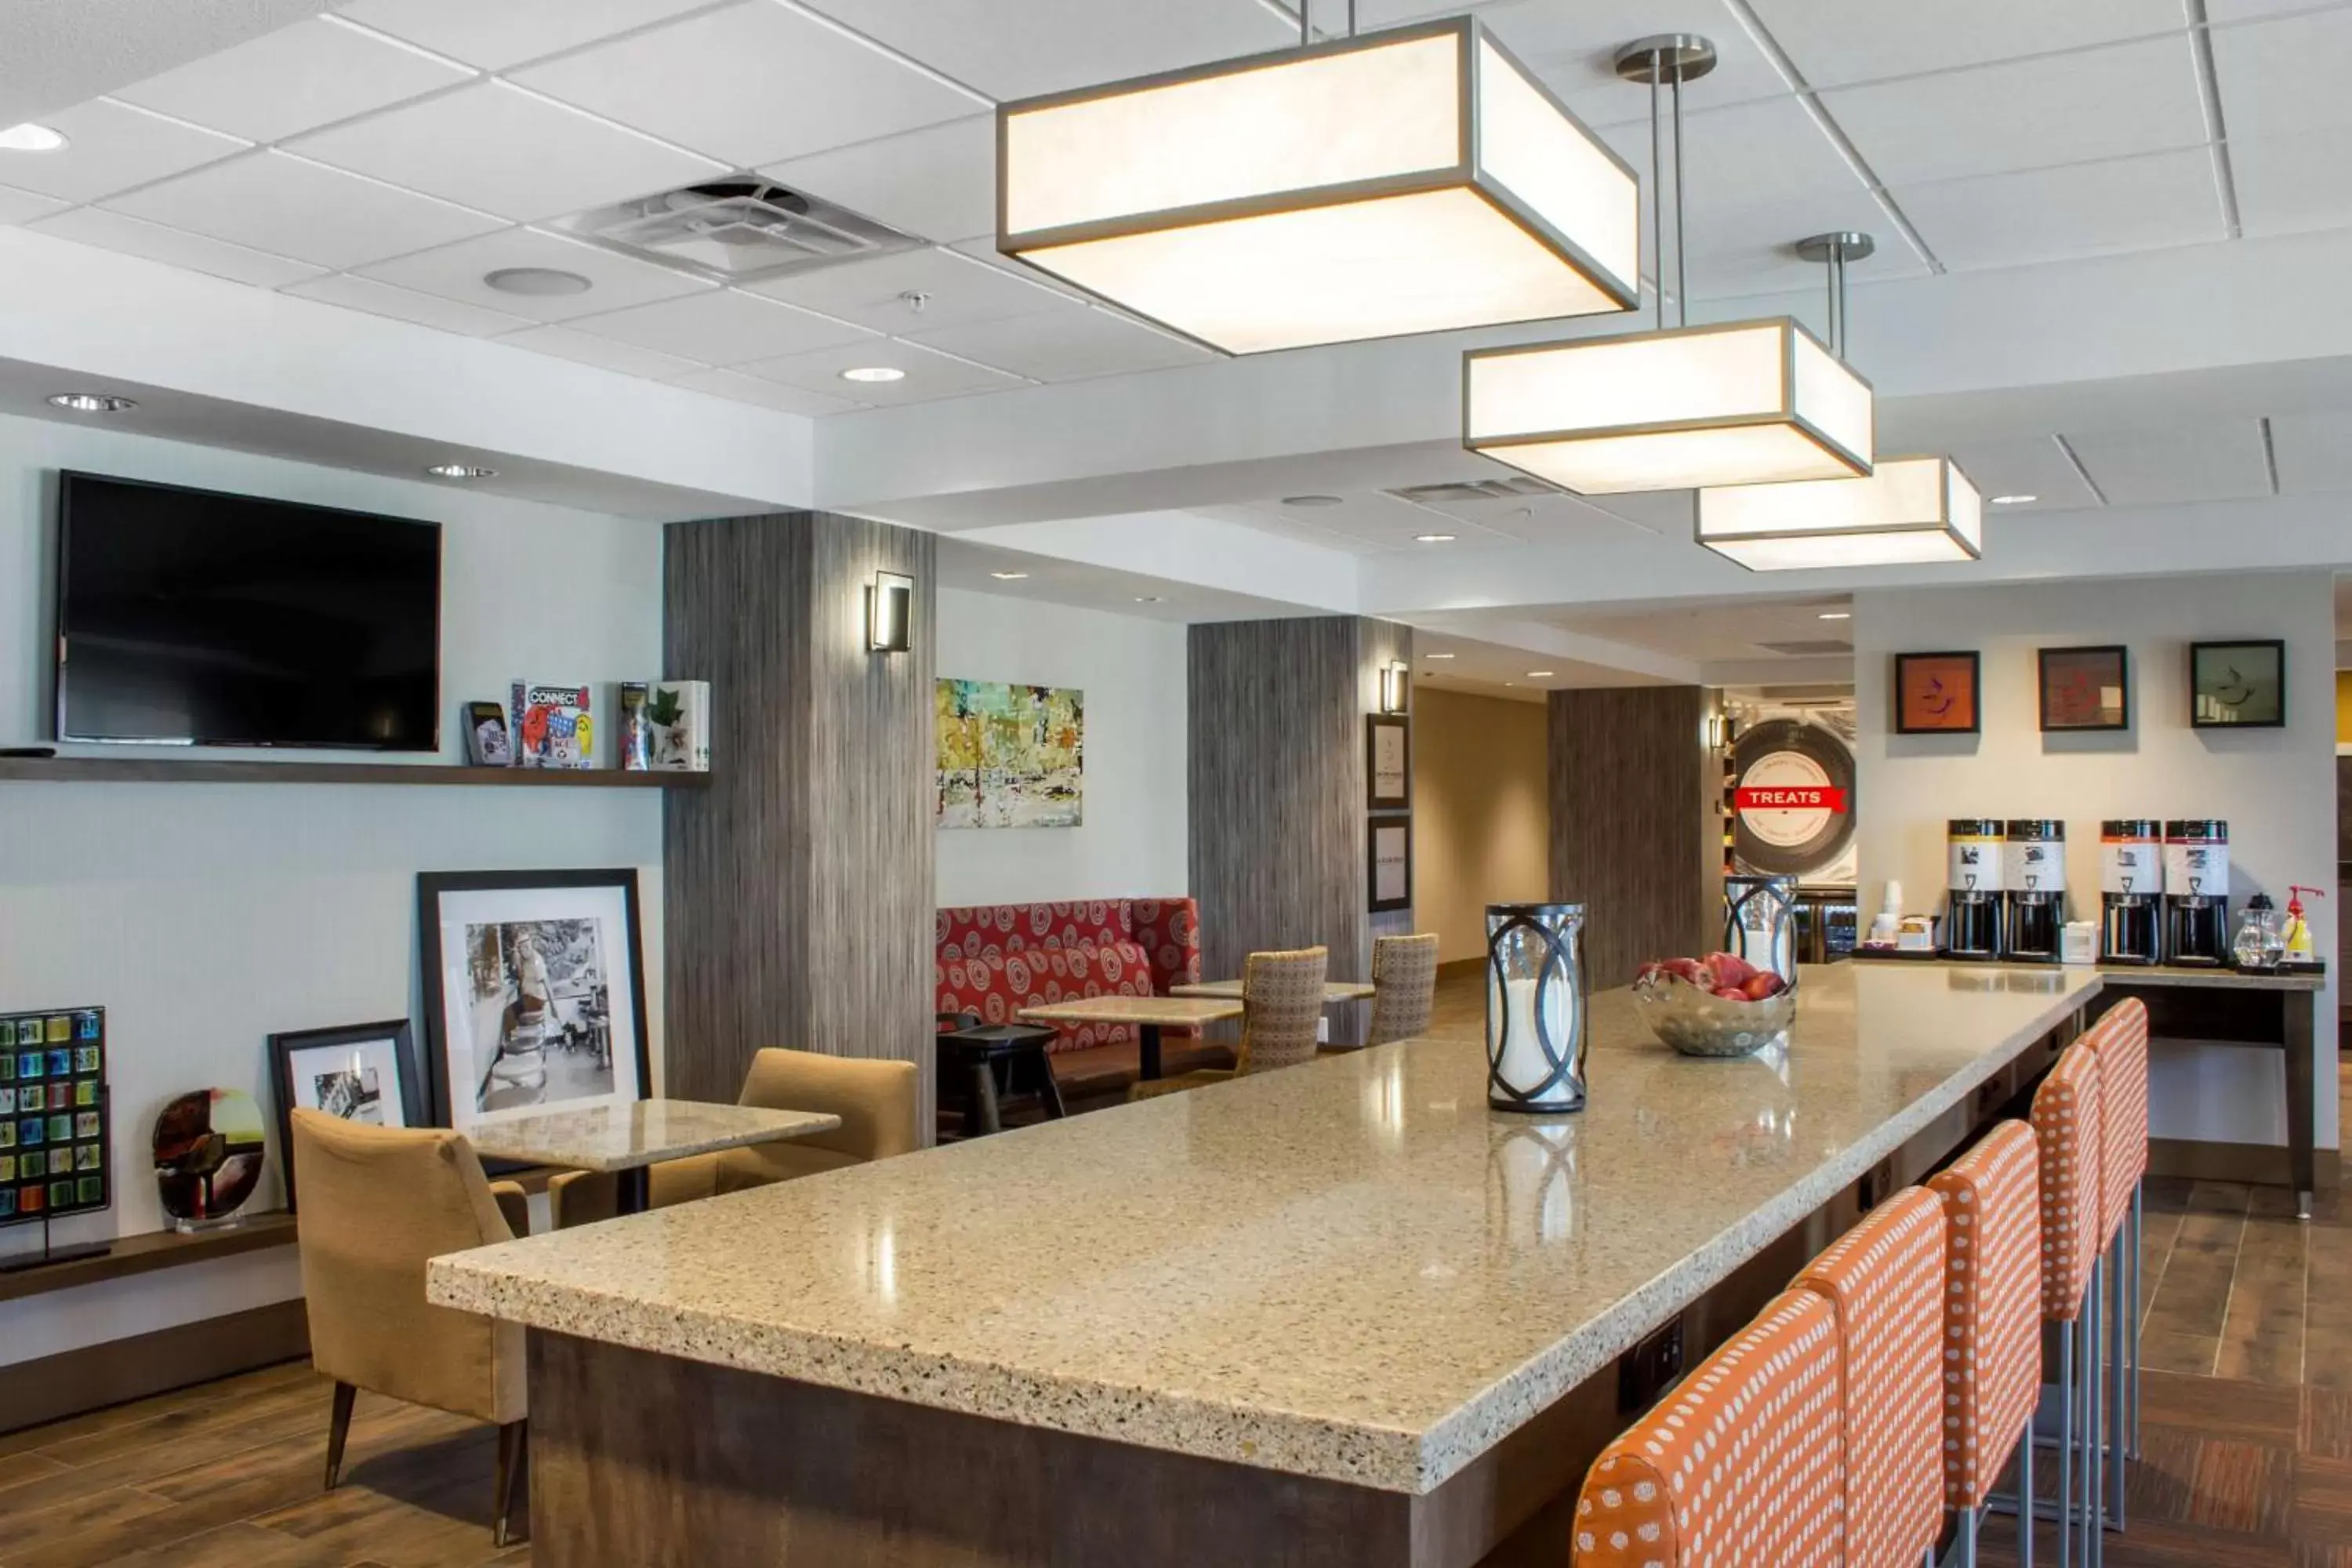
[(996, 959)]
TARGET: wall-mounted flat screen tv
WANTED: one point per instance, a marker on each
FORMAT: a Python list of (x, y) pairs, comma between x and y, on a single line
[(195, 618)]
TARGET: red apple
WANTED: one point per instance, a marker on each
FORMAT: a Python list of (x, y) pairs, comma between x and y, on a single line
[(1762, 986), (1731, 994), (1731, 969), (1689, 969)]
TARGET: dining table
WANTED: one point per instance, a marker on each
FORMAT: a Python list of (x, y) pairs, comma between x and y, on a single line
[(1149, 1015), (627, 1141), (1334, 991)]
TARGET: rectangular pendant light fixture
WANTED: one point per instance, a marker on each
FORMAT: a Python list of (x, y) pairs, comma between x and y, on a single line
[(1909, 511), (1416, 180), (1759, 402)]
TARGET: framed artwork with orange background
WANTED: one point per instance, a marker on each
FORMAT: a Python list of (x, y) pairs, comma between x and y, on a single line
[(1936, 694)]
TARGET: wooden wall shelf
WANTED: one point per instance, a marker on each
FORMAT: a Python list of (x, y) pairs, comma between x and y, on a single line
[(193, 770), (145, 1254)]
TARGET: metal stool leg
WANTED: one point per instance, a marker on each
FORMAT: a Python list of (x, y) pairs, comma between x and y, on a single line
[(2118, 1308), (2138, 1235), (2094, 1548), (2025, 1491), (2066, 1445)]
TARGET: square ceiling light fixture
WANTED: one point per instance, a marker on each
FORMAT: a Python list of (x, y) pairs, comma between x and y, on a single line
[(1757, 401), (1416, 180), (1909, 511)]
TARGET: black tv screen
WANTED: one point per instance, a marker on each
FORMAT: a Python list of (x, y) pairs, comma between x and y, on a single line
[(199, 619)]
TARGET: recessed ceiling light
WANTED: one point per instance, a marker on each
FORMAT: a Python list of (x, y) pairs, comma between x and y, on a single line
[(1437, 655), (1147, 599), (461, 471), (1837, 614), (1432, 539), (1008, 577), (1541, 673), (31, 138), (90, 402), (542, 282), (874, 373), (2014, 500), (1510, 683), (1310, 500)]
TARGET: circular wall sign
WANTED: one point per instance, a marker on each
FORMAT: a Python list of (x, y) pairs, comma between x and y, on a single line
[(1793, 802)]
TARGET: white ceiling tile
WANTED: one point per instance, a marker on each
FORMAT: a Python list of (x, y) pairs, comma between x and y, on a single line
[(1269, 519), (1839, 41), (723, 327), (495, 34), (111, 147), (177, 248), (2219, 460), (605, 353), (754, 83), (2290, 184), (2279, 77), (2036, 467), (406, 305), (290, 81), (928, 375), (23, 207), (2066, 108), (956, 290), (1050, 45), (939, 182), (291, 206), (2222, 13), (456, 273), (1064, 345), (502, 150), (2128, 203), (2314, 452), (1672, 514), (740, 388)]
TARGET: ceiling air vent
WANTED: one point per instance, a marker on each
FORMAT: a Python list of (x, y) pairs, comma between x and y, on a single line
[(737, 229), (1808, 648), (1512, 489)]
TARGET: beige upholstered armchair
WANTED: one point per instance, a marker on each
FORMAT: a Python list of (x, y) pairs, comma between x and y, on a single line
[(875, 1101), (377, 1202), (1282, 1001), (1404, 987)]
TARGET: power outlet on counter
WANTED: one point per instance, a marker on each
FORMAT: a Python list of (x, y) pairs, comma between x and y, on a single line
[(1650, 1368)]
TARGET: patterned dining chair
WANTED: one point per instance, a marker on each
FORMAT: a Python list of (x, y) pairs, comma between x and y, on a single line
[(1739, 1465), (2069, 1130), (2120, 1041), (1404, 987), (1884, 1279), (1282, 1003), (1991, 1198)]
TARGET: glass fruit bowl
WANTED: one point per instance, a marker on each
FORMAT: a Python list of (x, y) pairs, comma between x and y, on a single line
[(1696, 1022)]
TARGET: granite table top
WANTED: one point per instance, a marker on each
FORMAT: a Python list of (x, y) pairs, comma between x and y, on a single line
[(1352, 1268), (1176, 1012), (2185, 975), (624, 1137), (1334, 991)]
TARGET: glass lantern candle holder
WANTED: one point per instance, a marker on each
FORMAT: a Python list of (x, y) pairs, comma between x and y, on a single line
[(1760, 923), (1535, 1007)]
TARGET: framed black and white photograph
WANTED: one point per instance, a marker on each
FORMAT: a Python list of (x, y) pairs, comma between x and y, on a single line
[(534, 992), (1388, 761), (1389, 841), (2237, 685), (361, 1072)]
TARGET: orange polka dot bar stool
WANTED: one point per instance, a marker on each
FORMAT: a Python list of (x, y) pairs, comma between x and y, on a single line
[(2067, 1126), (1991, 1354), (1739, 1467), (2119, 1039), (1884, 1279)]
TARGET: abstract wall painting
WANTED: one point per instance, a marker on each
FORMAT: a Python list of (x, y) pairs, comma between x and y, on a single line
[(1008, 755)]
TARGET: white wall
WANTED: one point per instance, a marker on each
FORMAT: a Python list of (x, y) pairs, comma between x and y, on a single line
[(204, 917), (1133, 842), (2275, 787)]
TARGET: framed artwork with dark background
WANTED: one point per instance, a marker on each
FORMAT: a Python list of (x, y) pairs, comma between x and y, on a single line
[(2237, 685), (2086, 689), (361, 1072), (1388, 762), (1937, 694), (1389, 849)]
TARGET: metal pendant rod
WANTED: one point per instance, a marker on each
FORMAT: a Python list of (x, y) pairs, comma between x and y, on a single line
[(1667, 59), (1306, 21), (1351, 19), (1682, 248), (1657, 197), (1833, 251)]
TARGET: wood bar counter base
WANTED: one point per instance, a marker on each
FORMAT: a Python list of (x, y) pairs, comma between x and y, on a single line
[(1343, 1314)]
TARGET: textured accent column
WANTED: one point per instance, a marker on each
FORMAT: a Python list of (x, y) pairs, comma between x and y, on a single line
[(1629, 822), (1279, 855), (799, 884)]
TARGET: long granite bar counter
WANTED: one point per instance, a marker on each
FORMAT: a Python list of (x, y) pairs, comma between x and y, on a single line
[(1353, 1270)]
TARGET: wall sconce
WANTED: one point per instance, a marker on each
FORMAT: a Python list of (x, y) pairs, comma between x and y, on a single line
[(1396, 686), (889, 613), (1721, 730)]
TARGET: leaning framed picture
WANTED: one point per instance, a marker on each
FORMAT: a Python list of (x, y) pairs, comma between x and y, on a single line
[(534, 993), (2086, 688), (2237, 685), (1390, 843), (361, 1072), (1388, 761), (1936, 694)]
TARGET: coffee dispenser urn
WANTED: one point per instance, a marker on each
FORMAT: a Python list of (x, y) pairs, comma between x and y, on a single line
[(2131, 891), (2197, 891), (1973, 909), (2033, 873)]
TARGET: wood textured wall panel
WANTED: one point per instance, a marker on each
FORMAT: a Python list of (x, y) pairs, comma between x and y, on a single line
[(798, 884), (1277, 759), (1628, 824)]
